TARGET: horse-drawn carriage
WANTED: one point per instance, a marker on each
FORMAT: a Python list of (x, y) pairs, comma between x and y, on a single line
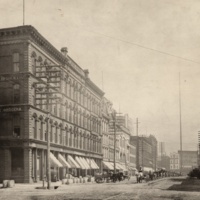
[(110, 177)]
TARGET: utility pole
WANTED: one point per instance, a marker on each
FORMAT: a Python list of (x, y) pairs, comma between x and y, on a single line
[(161, 154), (23, 12), (180, 123), (137, 145), (114, 123), (48, 135), (48, 73), (142, 153)]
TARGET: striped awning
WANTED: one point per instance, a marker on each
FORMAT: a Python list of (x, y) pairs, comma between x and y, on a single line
[(91, 164), (85, 162), (78, 160), (119, 167), (63, 161), (54, 161), (108, 165), (73, 163), (95, 164)]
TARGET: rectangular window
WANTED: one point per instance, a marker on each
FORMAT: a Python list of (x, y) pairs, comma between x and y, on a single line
[(16, 93), (16, 126), (16, 131), (16, 62)]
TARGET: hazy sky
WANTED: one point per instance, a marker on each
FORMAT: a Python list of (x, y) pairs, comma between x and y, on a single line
[(106, 37)]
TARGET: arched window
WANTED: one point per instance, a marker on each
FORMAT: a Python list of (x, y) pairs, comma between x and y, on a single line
[(80, 140), (35, 126), (41, 127), (66, 110), (51, 133), (33, 62), (80, 119), (16, 93), (66, 136)]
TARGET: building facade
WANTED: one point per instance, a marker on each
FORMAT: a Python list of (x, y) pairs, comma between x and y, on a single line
[(163, 162), (147, 152), (44, 93), (189, 161), (174, 162)]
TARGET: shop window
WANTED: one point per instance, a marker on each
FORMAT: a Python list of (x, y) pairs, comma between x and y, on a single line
[(16, 62), (17, 161)]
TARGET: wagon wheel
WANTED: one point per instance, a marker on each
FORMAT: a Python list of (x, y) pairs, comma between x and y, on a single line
[(99, 180)]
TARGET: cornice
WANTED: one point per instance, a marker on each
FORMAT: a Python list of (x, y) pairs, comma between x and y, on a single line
[(29, 32), (96, 89)]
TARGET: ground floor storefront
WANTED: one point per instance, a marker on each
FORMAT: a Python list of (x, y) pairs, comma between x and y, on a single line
[(29, 164)]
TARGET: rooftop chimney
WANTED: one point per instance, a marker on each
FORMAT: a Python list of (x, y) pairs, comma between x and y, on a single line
[(64, 51), (86, 71)]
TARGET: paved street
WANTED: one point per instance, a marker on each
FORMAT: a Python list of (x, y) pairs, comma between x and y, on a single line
[(124, 190)]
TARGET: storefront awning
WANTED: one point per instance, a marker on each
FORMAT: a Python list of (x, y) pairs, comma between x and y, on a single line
[(84, 162), (124, 168), (72, 162), (95, 164), (108, 165), (54, 161), (78, 160), (63, 161), (90, 163), (119, 167), (147, 169), (133, 168)]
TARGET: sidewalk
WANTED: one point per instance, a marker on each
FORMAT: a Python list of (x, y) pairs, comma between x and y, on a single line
[(31, 186)]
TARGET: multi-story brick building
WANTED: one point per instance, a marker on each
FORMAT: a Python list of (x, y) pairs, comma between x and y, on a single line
[(116, 131), (147, 151), (107, 145), (43, 91)]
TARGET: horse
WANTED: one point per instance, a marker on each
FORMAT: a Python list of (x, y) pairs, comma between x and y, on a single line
[(139, 177)]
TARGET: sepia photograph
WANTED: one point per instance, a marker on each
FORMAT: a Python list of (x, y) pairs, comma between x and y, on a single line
[(100, 99)]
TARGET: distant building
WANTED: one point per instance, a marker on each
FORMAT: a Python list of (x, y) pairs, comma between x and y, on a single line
[(163, 162), (132, 164), (126, 121), (147, 151), (174, 162), (161, 149), (189, 160)]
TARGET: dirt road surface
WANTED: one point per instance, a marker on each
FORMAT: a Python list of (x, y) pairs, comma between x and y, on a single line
[(125, 190)]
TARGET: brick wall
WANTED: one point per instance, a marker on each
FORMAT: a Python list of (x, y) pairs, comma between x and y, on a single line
[(28, 165), (5, 164)]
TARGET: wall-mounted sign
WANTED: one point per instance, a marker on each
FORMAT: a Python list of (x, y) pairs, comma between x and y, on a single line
[(11, 77), (11, 109)]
